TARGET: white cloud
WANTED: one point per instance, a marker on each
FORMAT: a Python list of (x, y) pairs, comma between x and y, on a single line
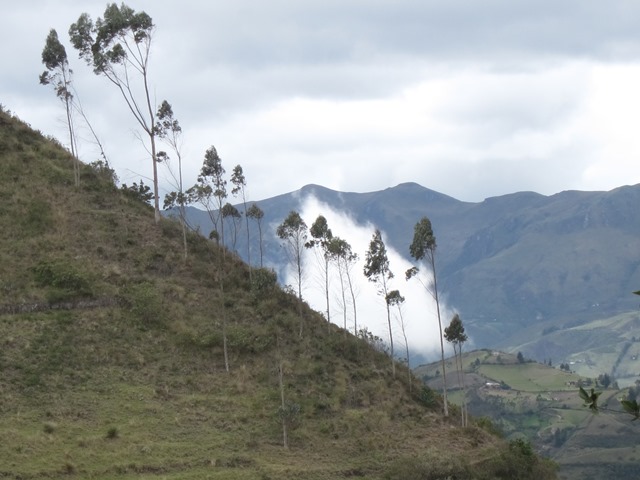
[(469, 99), (419, 311), (612, 116)]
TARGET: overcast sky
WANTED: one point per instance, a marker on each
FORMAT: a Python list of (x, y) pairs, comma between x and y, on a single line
[(470, 98)]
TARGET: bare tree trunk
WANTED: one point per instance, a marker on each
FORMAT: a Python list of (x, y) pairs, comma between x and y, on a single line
[(353, 300), (299, 267), (406, 346), (184, 231), (224, 327), (260, 240), (246, 218), (344, 297), (393, 361), (465, 412), (72, 143), (285, 430), (225, 349), (444, 368), (326, 291), (183, 213), (458, 358)]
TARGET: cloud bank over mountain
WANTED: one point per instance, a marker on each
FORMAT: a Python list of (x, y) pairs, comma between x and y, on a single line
[(418, 311)]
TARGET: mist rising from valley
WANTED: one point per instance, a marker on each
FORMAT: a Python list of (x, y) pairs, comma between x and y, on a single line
[(418, 311)]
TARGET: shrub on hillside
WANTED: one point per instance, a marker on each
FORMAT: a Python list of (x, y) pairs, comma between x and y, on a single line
[(100, 176), (263, 282), (64, 281), (427, 397), (519, 460), (432, 466), (145, 304)]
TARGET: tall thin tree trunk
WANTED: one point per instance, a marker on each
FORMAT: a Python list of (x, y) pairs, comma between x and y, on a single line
[(457, 354), (393, 361), (444, 368), (260, 239), (184, 232), (285, 430), (386, 303), (406, 346), (299, 267), (221, 218), (246, 218), (344, 297), (152, 140), (225, 349), (72, 138), (465, 412), (326, 291), (73, 144), (353, 302), (183, 214)]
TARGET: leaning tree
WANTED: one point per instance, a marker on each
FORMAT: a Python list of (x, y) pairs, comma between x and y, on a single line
[(456, 335), (423, 249), (118, 47), (321, 236), (293, 233), (58, 74), (378, 271)]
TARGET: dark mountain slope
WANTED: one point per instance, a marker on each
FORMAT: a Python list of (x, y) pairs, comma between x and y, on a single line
[(570, 259)]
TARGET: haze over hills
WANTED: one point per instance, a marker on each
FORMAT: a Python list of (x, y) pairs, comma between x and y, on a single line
[(514, 263)]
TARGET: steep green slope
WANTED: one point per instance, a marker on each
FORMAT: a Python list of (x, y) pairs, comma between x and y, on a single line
[(112, 365)]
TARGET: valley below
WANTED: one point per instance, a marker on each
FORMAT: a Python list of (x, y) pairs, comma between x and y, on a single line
[(542, 403)]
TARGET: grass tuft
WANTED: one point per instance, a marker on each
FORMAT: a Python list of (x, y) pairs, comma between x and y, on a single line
[(112, 433)]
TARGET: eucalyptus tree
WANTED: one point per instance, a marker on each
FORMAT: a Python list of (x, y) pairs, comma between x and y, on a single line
[(257, 214), (377, 270), (231, 212), (289, 412), (118, 47), (293, 232), (340, 252), (321, 236), (58, 74), (456, 335), (210, 190), (395, 299), (169, 130), (239, 183), (422, 249)]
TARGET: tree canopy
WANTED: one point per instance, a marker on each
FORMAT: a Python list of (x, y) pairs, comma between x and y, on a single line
[(117, 45)]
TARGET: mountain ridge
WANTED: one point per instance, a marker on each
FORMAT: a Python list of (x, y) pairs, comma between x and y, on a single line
[(512, 259)]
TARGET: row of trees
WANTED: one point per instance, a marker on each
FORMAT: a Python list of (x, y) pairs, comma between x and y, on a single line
[(117, 46), (335, 252), (330, 251)]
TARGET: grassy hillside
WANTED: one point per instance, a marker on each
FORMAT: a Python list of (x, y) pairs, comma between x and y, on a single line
[(542, 404), (112, 365)]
